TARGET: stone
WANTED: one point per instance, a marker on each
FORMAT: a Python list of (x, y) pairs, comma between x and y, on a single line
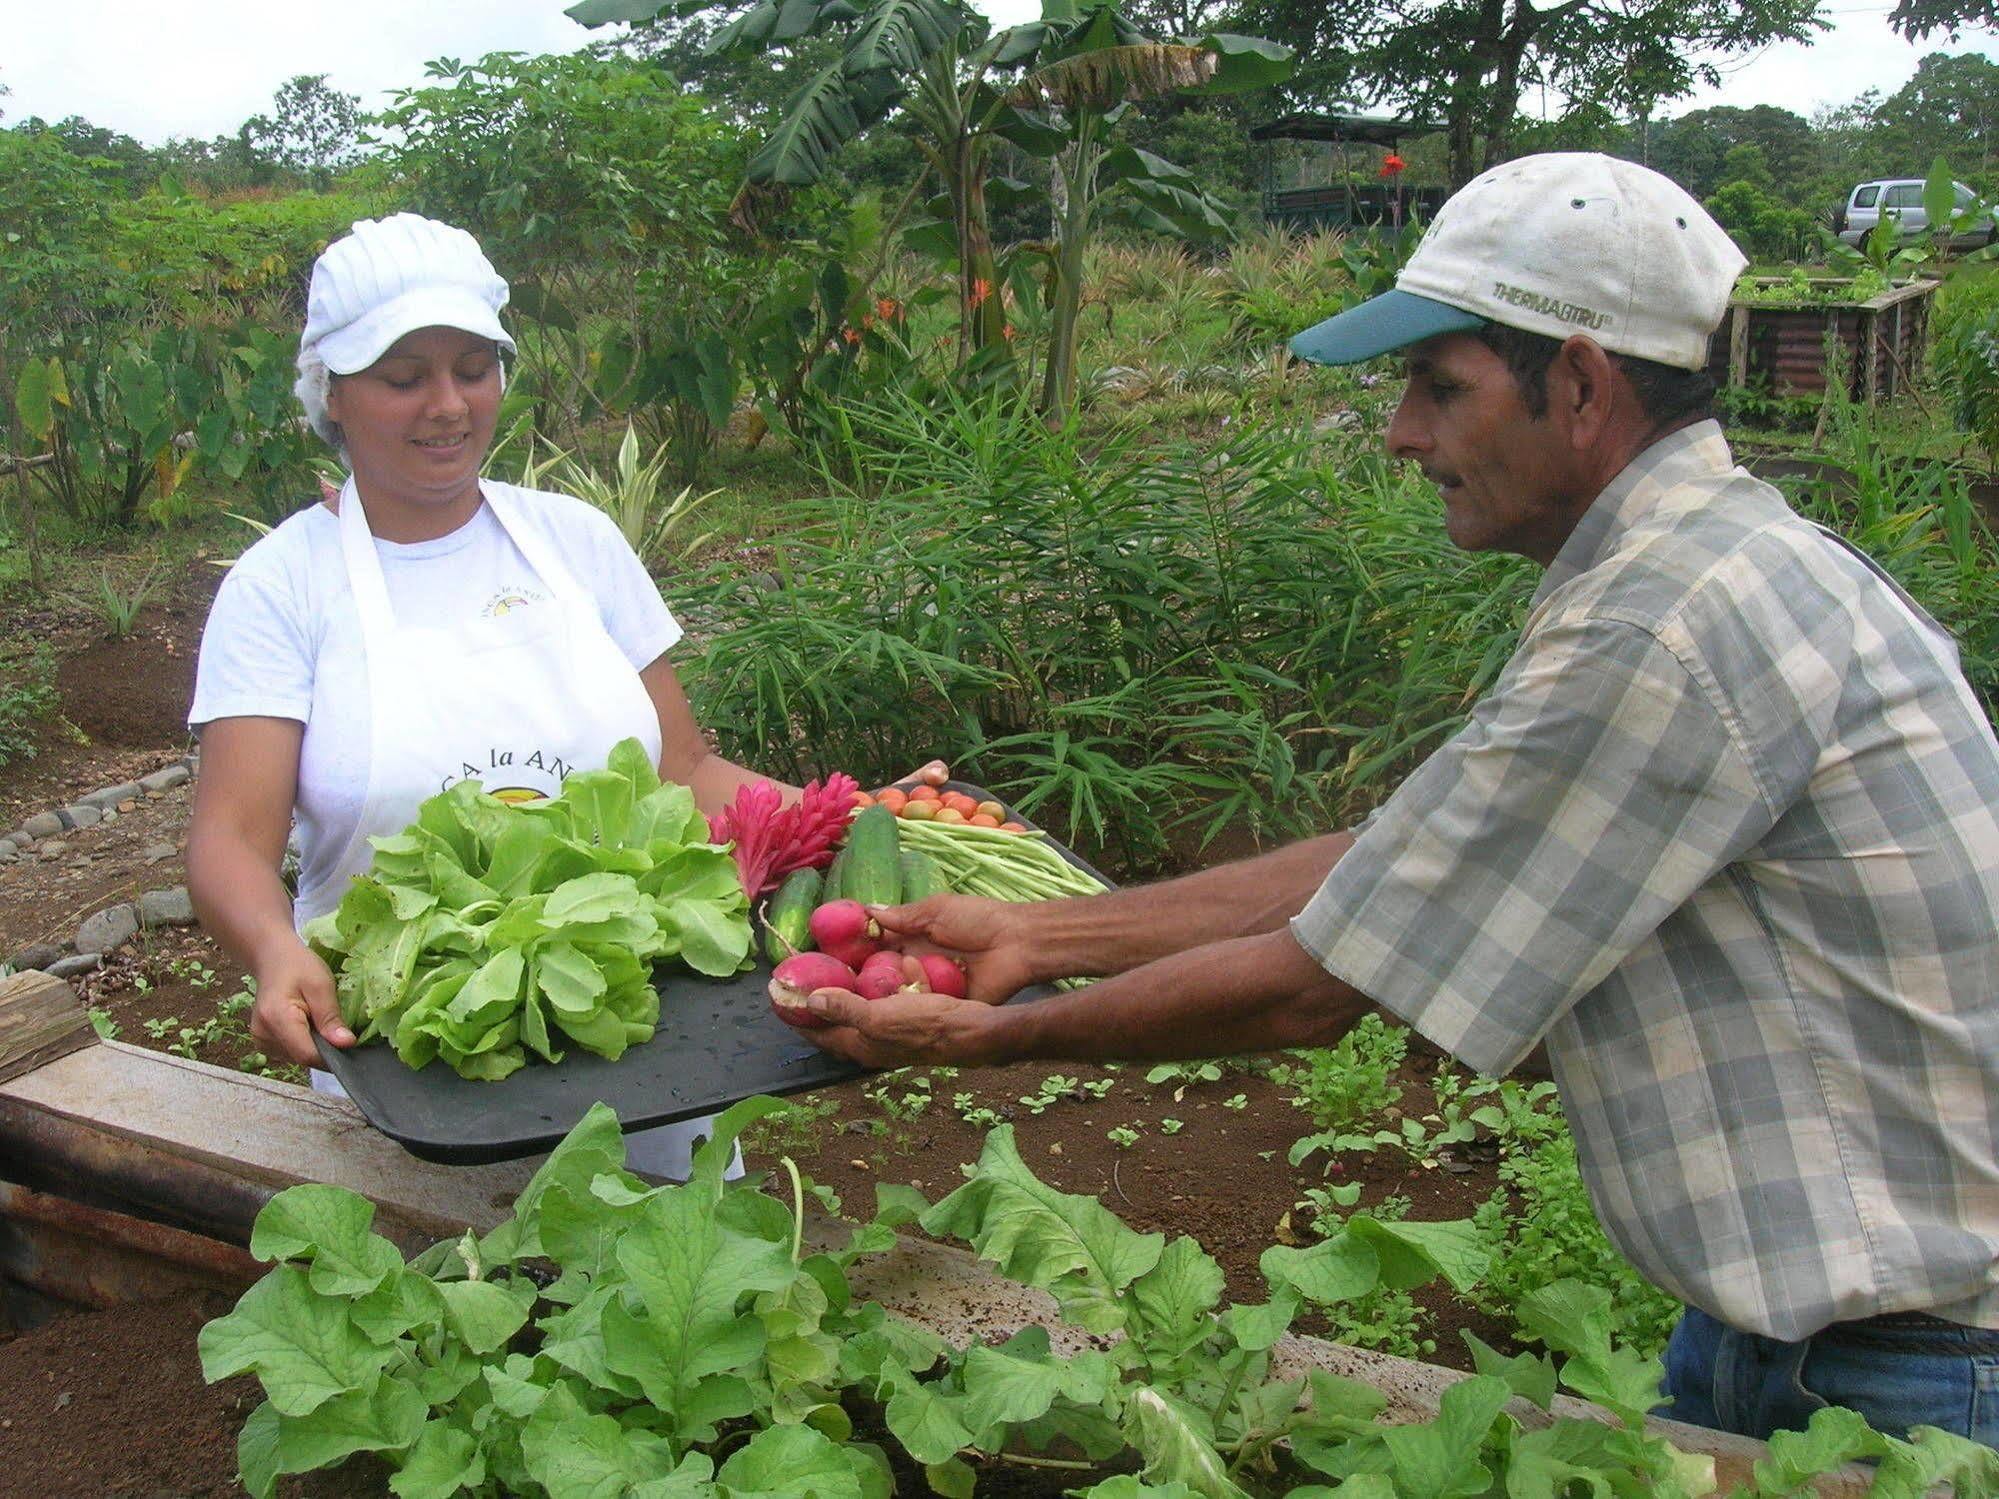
[(129, 803), (55, 848), (69, 968), (165, 780), (81, 816), (166, 908), (110, 816), (107, 796), (36, 955), (107, 931), (7, 850), (42, 825), (154, 853)]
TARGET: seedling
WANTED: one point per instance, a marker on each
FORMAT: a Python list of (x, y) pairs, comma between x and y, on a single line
[(1171, 1126), (1122, 1136)]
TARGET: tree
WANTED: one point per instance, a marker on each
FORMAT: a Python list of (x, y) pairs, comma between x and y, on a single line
[(1950, 108), (1467, 62), (311, 130), (1916, 19), (1693, 149)]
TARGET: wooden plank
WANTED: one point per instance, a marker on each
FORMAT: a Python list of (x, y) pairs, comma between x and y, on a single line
[(40, 1020), (267, 1133), (1738, 344)]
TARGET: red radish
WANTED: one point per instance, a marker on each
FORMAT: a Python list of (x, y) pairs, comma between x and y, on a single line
[(880, 983), (839, 923), (797, 976), (854, 954), (941, 975)]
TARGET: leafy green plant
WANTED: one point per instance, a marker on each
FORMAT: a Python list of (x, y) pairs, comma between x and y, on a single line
[(486, 930), (120, 608), (658, 527), (27, 697), (679, 1342), (1965, 353), (1352, 1081)]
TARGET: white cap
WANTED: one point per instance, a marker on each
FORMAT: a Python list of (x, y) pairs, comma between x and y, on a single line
[(1559, 244), (389, 277)]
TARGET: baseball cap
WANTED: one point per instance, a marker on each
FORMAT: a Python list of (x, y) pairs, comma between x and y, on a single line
[(388, 277), (1562, 243)]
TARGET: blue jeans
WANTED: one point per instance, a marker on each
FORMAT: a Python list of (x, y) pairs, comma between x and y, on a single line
[(1898, 1372)]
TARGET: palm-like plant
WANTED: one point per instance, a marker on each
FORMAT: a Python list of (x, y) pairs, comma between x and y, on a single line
[(1087, 67)]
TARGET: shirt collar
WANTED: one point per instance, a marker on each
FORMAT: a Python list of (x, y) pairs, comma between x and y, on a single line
[(1695, 452)]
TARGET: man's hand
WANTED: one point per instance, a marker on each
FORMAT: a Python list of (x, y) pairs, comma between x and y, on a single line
[(983, 935), (902, 1030), (935, 773), (294, 999)]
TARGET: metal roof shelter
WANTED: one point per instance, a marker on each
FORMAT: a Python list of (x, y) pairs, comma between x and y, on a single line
[(1340, 202)]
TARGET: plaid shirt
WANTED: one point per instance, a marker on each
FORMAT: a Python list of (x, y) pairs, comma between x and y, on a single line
[(1725, 834)]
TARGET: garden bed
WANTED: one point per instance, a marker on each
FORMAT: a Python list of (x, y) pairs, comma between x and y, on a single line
[(1790, 336)]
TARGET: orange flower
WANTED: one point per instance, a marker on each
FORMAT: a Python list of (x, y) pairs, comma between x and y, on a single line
[(851, 335), (1392, 165), (981, 289), (887, 307), (1006, 332), (867, 320)]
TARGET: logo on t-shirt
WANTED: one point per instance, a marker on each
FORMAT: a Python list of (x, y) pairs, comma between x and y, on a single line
[(510, 598)]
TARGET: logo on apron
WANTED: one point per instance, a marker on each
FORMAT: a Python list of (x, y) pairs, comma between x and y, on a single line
[(553, 771)]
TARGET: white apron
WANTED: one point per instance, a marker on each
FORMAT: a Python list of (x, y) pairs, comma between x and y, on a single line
[(516, 701)]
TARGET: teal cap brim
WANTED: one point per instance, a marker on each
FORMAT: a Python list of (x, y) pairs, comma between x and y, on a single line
[(1381, 325)]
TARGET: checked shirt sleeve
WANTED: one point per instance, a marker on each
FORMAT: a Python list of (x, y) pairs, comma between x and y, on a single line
[(1593, 791)]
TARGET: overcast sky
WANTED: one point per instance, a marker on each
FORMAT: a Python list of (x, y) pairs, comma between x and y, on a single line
[(159, 68)]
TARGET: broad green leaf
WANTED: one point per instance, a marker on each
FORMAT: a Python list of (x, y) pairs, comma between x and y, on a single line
[(404, 1303), (1414, 1253), (483, 1314), (573, 984), (1525, 1373), (257, 1452), (1931, 1456), (600, 806), (1440, 1459), (791, 1461), (1175, 1451), (713, 937), (1125, 1486), (590, 1457), (1333, 1270), (1020, 1380), (1070, 1246), (328, 1228), (302, 1345), (34, 402), (444, 1461), (954, 1478), (1575, 1319), (385, 1414), (928, 1419), (1834, 1436), (590, 898), (690, 1273), (1174, 1302), (1336, 1397), (1257, 1326)]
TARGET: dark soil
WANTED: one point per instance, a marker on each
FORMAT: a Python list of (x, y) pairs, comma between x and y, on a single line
[(112, 1404)]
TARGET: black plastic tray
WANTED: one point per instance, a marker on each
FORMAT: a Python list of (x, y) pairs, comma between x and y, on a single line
[(717, 1043)]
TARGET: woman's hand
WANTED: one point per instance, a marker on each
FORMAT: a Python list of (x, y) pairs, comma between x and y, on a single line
[(982, 935), (295, 998)]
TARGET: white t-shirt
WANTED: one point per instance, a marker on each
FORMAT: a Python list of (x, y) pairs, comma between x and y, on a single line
[(283, 633)]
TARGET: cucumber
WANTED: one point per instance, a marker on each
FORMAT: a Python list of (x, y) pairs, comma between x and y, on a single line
[(921, 876), (872, 873), (836, 878), (787, 913)]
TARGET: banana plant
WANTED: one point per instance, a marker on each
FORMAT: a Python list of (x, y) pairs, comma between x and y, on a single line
[(1088, 66), (929, 59)]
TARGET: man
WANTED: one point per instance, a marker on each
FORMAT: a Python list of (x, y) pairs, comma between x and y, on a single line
[(1722, 838)]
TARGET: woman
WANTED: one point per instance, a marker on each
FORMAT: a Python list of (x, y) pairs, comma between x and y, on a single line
[(424, 627)]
